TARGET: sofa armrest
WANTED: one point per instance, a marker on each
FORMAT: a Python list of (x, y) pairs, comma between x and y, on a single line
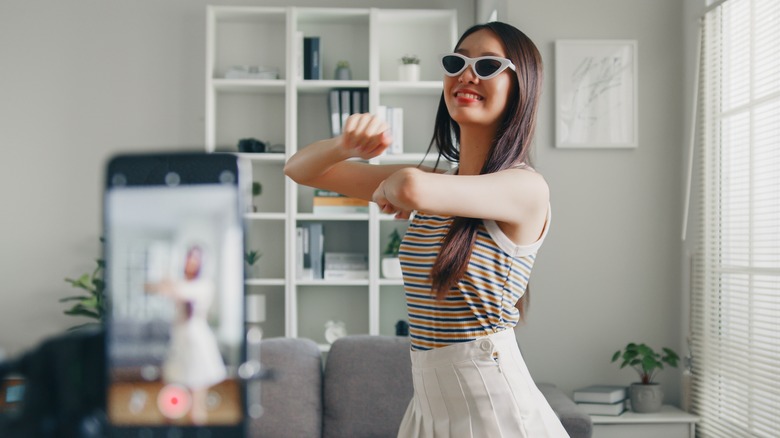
[(576, 422), (292, 398)]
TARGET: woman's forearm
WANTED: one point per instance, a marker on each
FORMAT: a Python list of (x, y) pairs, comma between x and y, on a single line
[(314, 160)]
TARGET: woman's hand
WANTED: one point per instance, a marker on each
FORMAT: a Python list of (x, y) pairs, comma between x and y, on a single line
[(385, 206), (365, 136)]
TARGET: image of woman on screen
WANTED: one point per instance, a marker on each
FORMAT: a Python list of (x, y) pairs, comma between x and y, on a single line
[(193, 360)]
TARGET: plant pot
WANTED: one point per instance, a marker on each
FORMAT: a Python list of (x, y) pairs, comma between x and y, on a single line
[(409, 72), (646, 398), (343, 74), (391, 267)]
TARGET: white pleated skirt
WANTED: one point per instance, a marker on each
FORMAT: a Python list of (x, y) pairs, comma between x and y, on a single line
[(476, 389)]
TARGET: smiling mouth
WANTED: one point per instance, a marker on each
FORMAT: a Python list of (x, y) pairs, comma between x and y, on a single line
[(470, 96)]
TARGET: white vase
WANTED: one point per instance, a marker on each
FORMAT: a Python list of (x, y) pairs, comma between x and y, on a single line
[(391, 267), (409, 72)]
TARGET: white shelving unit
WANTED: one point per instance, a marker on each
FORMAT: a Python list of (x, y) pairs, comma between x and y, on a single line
[(294, 112)]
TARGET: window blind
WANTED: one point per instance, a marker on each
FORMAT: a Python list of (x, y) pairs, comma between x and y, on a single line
[(735, 305)]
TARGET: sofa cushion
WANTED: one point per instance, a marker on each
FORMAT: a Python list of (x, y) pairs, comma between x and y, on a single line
[(576, 422), (367, 387), (292, 398)]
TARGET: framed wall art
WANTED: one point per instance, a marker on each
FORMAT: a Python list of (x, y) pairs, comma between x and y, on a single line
[(596, 94)]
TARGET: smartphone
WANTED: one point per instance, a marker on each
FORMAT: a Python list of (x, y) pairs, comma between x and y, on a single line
[(175, 336)]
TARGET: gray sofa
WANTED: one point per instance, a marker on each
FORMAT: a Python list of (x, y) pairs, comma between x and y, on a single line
[(363, 391)]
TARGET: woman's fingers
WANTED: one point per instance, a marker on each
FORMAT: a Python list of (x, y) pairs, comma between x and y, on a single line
[(365, 135)]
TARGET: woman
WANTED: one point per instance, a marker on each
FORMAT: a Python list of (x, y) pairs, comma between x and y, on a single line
[(193, 358), (470, 247)]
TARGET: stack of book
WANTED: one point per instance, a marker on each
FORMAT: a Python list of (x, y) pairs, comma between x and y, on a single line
[(346, 266), (327, 202), (601, 399)]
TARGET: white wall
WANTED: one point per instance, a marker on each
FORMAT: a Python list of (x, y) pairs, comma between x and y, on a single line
[(84, 79), (610, 270)]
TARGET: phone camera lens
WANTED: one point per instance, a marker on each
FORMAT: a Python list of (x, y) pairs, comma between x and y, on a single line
[(119, 180), (227, 177), (172, 179)]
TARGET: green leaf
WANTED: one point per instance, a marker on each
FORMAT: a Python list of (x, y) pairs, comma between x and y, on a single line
[(74, 298), (79, 311), (615, 356)]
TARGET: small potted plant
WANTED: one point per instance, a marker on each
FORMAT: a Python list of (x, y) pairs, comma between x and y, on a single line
[(646, 396), (343, 72), (391, 263), (257, 190), (251, 257), (409, 70)]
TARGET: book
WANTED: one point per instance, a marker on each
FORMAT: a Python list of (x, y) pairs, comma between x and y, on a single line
[(603, 408), (600, 394), (316, 247), (334, 106), (312, 67), (394, 118), (345, 109), (327, 202)]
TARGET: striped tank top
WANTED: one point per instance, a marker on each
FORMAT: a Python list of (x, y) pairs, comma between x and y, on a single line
[(482, 302)]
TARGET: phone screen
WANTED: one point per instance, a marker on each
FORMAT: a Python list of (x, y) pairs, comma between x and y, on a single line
[(174, 265)]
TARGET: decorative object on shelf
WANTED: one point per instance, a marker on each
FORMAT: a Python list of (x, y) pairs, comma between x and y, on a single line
[(343, 73), (251, 258), (250, 145), (645, 396), (334, 330), (329, 202), (252, 72), (257, 190), (345, 266), (402, 328), (391, 264), (255, 309), (91, 304), (409, 70), (596, 94)]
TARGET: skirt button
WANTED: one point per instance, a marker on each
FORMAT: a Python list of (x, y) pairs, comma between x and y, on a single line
[(485, 346)]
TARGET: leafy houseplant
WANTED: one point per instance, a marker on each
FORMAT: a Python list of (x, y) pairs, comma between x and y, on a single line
[(646, 396), (91, 304), (391, 264), (409, 70), (251, 257), (410, 59), (257, 190)]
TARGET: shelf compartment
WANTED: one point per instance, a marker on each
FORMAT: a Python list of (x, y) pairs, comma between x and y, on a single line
[(270, 175), (247, 36), (392, 308), (400, 32), (344, 35), (267, 238), (238, 116), (419, 118), (319, 304), (274, 324)]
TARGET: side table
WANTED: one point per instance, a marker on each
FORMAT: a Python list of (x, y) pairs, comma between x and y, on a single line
[(670, 422)]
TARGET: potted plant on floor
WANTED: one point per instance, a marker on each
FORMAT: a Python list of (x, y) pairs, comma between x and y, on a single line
[(391, 263), (646, 396)]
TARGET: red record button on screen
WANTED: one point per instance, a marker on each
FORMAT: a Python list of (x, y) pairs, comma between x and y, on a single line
[(174, 401)]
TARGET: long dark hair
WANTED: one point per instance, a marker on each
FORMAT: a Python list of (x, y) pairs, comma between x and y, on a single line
[(510, 147)]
